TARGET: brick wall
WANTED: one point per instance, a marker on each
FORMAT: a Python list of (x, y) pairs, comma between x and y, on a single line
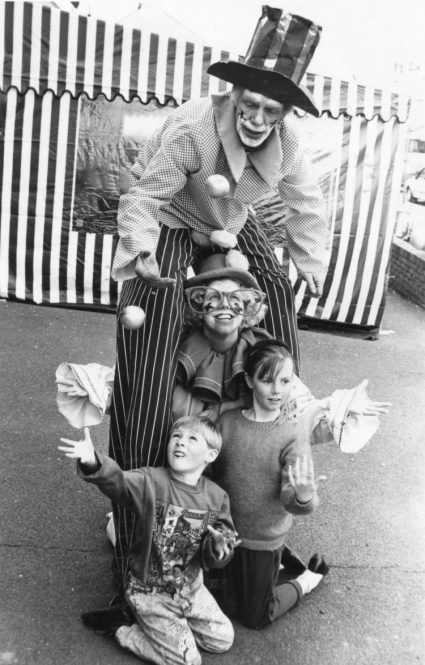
[(407, 271)]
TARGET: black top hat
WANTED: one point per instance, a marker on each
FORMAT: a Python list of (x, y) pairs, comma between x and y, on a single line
[(277, 58)]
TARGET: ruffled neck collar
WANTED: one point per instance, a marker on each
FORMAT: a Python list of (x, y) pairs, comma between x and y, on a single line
[(211, 376)]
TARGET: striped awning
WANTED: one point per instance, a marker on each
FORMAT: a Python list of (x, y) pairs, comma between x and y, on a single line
[(44, 48)]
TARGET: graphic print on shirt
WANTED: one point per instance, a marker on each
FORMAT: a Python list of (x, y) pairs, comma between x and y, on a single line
[(176, 539)]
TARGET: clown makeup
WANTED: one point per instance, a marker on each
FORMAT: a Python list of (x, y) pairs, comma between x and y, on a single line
[(256, 116), (221, 324)]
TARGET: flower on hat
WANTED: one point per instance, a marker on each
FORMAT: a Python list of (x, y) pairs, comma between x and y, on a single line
[(235, 259)]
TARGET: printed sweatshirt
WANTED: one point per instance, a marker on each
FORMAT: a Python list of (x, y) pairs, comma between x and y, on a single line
[(171, 540)]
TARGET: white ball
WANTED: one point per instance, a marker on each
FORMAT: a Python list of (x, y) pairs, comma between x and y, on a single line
[(132, 317), (217, 186), (223, 239)]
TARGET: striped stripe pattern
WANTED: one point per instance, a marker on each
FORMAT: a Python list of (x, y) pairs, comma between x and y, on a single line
[(41, 259), (362, 194), (47, 49), (363, 223), (50, 57), (284, 43)]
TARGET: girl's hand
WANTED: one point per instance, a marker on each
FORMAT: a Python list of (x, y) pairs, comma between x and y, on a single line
[(224, 543), (81, 450), (301, 478)]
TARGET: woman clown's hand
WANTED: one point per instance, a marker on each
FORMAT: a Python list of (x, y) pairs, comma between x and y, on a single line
[(80, 450), (363, 405)]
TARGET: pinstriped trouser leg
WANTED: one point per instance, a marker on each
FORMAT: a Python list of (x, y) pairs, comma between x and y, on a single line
[(281, 319), (144, 375)]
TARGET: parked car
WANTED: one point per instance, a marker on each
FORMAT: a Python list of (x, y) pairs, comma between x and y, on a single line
[(415, 187)]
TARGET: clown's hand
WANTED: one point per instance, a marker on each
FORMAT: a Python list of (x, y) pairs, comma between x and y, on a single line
[(315, 283), (224, 542), (147, 269), (363, 405), (80, 450)]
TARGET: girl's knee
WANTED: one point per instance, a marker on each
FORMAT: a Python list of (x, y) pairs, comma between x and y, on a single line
[(255, 620)]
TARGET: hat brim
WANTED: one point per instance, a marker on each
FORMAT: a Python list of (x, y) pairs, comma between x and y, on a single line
[(205, 278), (270, 83)]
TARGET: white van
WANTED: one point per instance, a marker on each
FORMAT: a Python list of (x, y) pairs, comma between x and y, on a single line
[(414, 158)]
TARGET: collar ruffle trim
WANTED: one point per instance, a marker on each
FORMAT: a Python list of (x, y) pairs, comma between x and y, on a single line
[(211, 376)]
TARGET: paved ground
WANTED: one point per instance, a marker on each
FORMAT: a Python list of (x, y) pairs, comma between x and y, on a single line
[(370, 525)]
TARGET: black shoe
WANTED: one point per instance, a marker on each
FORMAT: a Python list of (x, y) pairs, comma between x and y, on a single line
[(107, 621), (317, 564), (291, 562), (117, 599)]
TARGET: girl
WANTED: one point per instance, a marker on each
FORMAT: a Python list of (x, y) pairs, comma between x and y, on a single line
[(267, 469)]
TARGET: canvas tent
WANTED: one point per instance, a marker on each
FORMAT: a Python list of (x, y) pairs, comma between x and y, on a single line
[(74, 94)]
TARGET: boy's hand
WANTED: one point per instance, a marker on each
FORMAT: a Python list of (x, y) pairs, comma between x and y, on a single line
[(301, 478), (224, 543), (81, 450)]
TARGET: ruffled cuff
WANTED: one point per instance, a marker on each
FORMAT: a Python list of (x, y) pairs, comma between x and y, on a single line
[(93, 384), (350, 428)]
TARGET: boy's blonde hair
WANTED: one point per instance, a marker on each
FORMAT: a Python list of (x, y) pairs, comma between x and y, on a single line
[(201, 425)]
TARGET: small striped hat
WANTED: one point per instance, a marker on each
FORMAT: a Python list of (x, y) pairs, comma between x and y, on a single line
[(277, 58)]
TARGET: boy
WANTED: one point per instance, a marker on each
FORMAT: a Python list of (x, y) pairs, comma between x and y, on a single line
[(183, 522)]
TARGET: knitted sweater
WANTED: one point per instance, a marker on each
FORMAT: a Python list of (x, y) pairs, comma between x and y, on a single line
[(253, 469)]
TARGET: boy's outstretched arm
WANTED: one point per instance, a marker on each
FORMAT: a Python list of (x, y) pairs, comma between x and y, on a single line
[(104, 472), (82, 451)]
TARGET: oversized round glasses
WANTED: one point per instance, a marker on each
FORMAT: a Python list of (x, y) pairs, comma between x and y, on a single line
[(244, 302)]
